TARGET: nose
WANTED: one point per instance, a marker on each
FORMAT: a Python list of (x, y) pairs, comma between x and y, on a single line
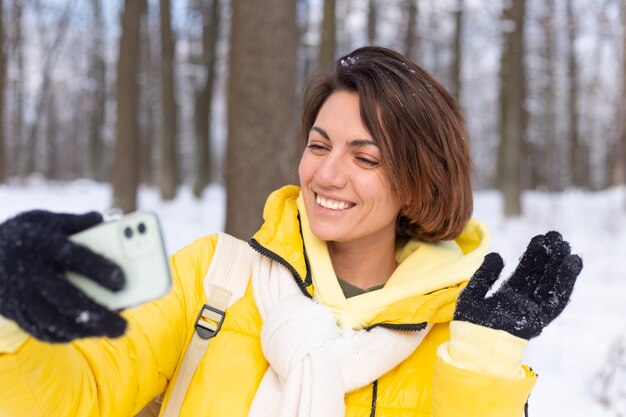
[(332, 172)]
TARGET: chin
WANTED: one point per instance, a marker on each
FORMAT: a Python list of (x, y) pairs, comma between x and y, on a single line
[(324, 234)]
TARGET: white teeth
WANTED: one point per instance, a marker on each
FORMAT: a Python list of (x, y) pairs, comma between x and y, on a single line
[(332, 204)]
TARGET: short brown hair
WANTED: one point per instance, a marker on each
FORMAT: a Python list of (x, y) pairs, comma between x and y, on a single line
[(419, 130)]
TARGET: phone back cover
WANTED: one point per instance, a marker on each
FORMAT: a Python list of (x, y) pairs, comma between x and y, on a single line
[(141, 255)]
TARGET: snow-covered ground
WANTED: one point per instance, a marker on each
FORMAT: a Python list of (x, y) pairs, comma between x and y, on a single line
[(567, 355)]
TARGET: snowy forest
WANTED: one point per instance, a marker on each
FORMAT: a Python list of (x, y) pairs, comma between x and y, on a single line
[(190, 108), (197, 92)]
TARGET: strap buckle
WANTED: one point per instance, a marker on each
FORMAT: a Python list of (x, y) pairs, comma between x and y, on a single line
[(209, 321)]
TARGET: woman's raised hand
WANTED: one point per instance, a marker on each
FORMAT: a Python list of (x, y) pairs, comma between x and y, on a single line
[(35, 253), (534, 295)]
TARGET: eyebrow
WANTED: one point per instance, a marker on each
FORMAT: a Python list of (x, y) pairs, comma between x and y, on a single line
[(353, 142)]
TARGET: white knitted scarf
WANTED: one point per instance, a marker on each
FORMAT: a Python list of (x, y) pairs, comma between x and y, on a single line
[(313, 363)]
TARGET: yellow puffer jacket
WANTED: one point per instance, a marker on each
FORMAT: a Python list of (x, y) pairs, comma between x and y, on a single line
[(101, 377)]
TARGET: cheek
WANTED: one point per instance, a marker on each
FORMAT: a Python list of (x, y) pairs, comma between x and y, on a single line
[(306, 169), (389, 203)]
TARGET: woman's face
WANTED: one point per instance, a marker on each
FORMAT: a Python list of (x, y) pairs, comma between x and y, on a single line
[(345, 189)]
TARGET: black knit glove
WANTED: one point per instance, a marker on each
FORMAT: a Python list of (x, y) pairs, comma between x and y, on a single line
[(34, 254), (534, 295)]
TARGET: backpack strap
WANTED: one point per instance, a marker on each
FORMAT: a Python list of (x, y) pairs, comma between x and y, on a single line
[(224, 284)]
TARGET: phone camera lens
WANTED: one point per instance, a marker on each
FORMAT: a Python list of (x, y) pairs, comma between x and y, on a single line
[(141, 228), (128, 232)]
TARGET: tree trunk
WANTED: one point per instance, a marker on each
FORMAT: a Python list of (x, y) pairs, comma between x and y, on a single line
[(151, 95), (52, 136), (548, 174), (308, 49), (125, 167), (204, 97), (19, 92), (457, 57), (372, 12), (262, 138), (411, 41), (3, 74), (97, 98), (168, 169), (328, 34), (437, 48), (619, 164), (512, 113), (73, 168), (579, 159), (43, 96)]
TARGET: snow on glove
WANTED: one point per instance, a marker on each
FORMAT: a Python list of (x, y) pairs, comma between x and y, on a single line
[(35, 252), (534, 295)]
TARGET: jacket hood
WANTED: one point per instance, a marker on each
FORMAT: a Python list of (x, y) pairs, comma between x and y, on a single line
[(424, 287)]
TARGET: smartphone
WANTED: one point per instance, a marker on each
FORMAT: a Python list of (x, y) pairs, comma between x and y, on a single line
[(135, 243)]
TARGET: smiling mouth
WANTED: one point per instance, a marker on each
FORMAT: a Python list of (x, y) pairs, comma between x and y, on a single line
[(329, 203)]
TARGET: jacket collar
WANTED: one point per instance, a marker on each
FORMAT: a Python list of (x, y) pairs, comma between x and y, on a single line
[(280, 233)]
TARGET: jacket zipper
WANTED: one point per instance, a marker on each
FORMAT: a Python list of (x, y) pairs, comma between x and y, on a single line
[(374, 398), (401, 327), (408, 327), (275, 257)]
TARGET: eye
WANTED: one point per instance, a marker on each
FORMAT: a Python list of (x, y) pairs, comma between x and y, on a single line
[(316, 147), (367, 161)]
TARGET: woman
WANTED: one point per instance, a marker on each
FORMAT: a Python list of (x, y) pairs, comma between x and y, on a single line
[(369, 257)]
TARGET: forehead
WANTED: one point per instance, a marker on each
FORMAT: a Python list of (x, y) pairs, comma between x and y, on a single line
[(340, 118)]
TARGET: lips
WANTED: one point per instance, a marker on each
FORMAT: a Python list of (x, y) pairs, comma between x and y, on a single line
[(333, 204)]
